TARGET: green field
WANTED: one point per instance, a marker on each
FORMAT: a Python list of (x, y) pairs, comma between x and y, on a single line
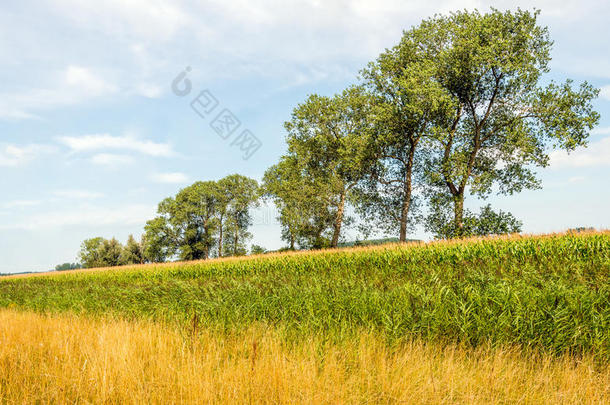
[(546, 292)]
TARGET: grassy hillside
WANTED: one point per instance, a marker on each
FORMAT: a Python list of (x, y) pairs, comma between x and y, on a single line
[(550, 292)]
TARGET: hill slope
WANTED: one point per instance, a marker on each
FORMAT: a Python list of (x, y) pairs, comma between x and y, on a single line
[(550, 292)]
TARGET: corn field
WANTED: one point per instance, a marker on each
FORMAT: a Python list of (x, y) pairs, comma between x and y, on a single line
[(547, 292)]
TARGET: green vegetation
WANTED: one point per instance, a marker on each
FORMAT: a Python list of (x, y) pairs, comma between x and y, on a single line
[(68, 266), (549, 292), (459, 107)]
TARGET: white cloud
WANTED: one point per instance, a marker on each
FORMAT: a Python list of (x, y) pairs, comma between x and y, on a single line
[(78, 194), (576, 179), (150, 19), (601, 131), (14, 155), (20, 204), (87, 81), (97, 142), (605, 92), (149, 90), (109, 159), (596, 154), (170, 178), (134, 214), (72, 85)]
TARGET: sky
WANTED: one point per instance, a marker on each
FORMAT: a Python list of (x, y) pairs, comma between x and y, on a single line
[(93, 135)]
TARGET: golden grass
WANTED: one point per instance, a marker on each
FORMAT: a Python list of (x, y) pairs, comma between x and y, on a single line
[(67, 359)]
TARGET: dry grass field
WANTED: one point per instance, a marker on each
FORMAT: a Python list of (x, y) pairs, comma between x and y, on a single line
[(70, 359)]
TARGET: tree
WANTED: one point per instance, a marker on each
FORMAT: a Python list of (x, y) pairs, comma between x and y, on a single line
[(191, 220), (100, 252), (90, 253), (110, 252), (303, 211), (408, 104), (242, 194), (329, 138), (237, 194), (159, 242), (133, 252), (257, 250), (488, 222), (68, 266), (192, 223), (504, 121)]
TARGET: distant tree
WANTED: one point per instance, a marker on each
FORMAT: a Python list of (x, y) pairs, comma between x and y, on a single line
[(257, 250), (68, 266), (133, 252), (100, 252), (305, 214), (488, 222), (191, 216), (90, 254), (199, 217), (238, 195), (159, 241), (110, 252)]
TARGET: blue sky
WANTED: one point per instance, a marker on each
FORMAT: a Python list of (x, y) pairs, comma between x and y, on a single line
[(92, 137)]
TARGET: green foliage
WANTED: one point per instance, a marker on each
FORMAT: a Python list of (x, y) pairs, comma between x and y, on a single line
[(548, 292), (240, 194), (329, 154), (100, 252), (133, 252), (90, 253), (505, 120), (68, 266), (488, 222), (197, 219), (257, 250)]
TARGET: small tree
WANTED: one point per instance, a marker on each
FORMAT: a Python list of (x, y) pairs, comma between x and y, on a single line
[(90, 254), (133, 252), (257, 250), (110, 252), (488, 222)]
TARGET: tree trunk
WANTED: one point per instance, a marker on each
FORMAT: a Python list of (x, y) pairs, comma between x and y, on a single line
[(406, 202), (338, 221), (220, 238), (458, 205), (235, 240)]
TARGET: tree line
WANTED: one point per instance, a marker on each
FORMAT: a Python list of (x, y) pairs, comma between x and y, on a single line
[(460, 107)]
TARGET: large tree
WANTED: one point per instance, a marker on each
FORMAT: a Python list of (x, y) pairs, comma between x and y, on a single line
[(329, 136), (505, 119), (408, 103)]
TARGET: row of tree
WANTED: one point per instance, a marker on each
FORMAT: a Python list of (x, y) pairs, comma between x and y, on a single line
[(100, 252), (206, 219), (459, 107)]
